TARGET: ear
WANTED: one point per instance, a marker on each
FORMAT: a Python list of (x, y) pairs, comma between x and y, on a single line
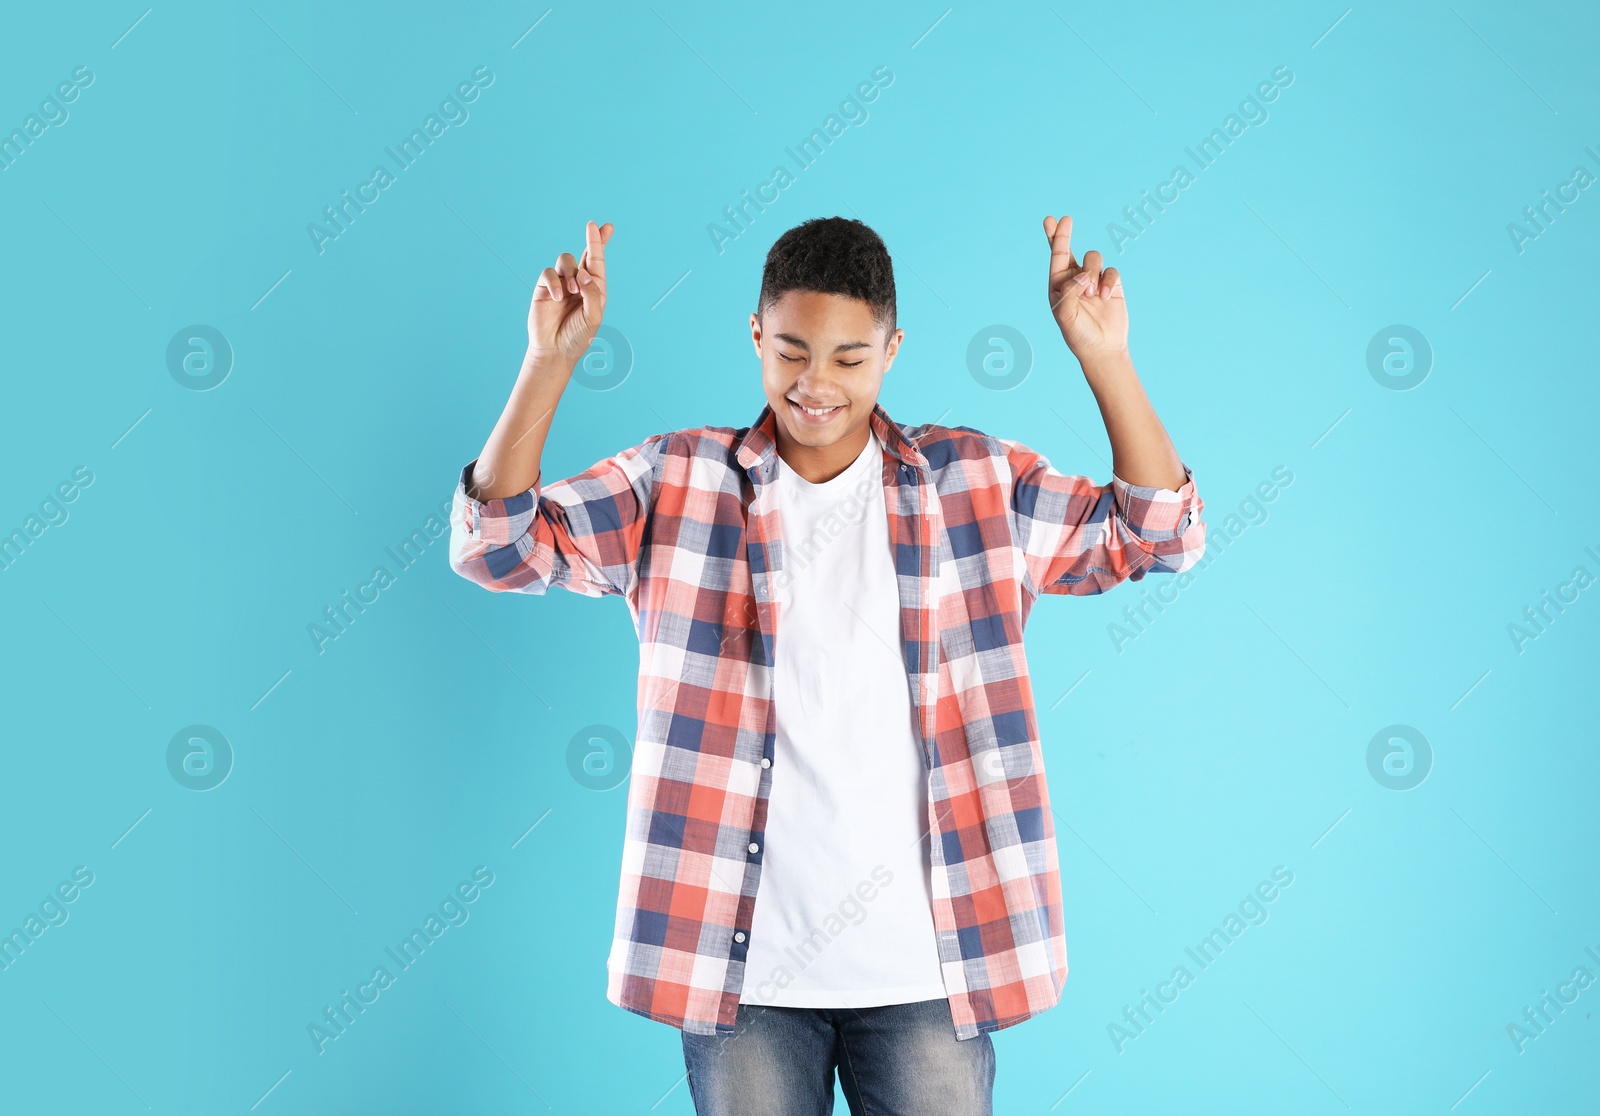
[(893, 350), (755, 333)]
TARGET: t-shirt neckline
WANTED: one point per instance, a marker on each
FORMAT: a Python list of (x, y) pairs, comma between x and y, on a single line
[(869, 452)]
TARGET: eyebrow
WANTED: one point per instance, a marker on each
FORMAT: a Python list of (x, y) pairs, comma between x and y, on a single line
[(842, 347)]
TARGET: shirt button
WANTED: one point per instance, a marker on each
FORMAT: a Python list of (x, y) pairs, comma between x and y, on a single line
[(739, 937), (765, 762), (754, 847)]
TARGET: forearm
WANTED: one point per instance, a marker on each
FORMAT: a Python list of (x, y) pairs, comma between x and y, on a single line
[(509, 463), (1141, 451)]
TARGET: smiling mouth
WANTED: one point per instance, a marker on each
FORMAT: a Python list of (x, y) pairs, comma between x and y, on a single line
[(814, 412)]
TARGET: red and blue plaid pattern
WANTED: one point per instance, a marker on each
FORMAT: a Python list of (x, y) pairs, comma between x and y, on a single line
[(686, 528)]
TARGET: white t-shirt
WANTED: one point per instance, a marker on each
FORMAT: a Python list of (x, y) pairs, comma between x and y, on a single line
[(844, 915)]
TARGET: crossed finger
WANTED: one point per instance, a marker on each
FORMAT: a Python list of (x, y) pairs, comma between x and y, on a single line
[(569, 274), (1062, 261), (594, 253), (1089, 277)]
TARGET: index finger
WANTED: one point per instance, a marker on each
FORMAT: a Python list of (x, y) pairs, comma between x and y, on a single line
[(594, 256)]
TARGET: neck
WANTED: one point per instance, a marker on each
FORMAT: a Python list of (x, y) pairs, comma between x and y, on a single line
[(822, 463)]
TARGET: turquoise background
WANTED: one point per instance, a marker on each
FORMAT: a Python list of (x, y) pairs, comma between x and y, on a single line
[(1229, 738)]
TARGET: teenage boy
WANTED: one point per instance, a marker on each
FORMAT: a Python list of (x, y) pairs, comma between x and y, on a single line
[(840, 853)]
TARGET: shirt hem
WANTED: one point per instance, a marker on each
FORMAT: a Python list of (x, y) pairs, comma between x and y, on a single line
[(879, 997)]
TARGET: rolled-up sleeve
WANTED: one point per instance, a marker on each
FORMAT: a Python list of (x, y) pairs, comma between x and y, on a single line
[(582, 534), (1078, 537)]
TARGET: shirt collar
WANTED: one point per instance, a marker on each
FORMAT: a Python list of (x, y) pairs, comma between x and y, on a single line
[(759, 447)]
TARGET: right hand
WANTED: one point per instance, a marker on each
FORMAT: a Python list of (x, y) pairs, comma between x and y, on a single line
[(569, 301)]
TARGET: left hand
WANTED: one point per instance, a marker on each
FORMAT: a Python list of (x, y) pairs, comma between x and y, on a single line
[(1087, 302)]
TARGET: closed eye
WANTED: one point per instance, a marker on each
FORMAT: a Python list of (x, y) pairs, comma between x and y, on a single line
[(785, 357)]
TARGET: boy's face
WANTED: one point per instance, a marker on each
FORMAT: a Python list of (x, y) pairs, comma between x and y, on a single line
[(825, 353)]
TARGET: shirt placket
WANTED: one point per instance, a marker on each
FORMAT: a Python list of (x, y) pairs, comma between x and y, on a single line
[(917, 513), (763, 544), (921, 518)]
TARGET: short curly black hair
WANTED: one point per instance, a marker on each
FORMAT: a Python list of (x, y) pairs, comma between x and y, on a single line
[(833, 255)]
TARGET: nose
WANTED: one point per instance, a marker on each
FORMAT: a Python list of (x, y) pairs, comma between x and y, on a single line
[(814, 389)]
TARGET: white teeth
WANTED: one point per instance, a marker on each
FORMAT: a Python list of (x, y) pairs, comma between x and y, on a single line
[(819, 411)]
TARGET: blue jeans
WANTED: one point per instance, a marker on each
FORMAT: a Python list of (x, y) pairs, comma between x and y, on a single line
[(896, 1060)]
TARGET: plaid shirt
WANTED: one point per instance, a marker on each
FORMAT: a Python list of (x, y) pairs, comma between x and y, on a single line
[(685, 527)]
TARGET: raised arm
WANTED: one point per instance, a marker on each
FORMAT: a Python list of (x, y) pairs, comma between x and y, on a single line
[(509, 532), (1089, 306), (1077, 536), (568, 303)]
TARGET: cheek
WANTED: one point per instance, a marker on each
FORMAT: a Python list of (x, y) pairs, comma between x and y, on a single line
[(777, 380), (864, 384)]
